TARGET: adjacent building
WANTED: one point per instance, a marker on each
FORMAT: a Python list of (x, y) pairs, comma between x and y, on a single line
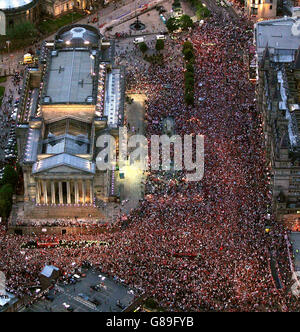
[(278, 56), (261, 9), (18, 11), (59, 7), (74, 96)]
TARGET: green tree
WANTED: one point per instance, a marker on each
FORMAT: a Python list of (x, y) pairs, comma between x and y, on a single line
[(176, 4), (172, 24), (160, 45), (189, 98), (190, 67), (6, 193), (187, 46), (186, 22), (10, 176), (22, 31), (188, 55), (202, 12), (143, 47)]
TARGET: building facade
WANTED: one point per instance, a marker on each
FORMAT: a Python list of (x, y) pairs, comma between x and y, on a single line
[(56, 8), (260, 9), (278, 97), (18, 11), (74, 96)]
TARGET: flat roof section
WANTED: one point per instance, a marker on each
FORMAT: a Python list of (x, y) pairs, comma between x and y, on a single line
[(113, 97), (70, 79), (281, 35)]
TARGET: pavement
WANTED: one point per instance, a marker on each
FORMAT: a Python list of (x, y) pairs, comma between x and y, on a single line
[(132, 186)]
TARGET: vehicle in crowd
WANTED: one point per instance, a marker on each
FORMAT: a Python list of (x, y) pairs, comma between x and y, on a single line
[(139, 40)]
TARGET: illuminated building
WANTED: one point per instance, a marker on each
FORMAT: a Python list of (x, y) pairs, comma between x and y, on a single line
[(74, 95), (278, 98), (261, 8), (18, 11)]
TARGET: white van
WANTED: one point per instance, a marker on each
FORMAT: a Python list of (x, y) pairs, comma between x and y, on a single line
[(160, 37), (139, 40)]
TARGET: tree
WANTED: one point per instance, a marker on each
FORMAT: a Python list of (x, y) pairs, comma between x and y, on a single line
[(188, 54), (10, 176), (172, 24), (143, 47), (202, 12), (176, 4), (190, 67), (188, 75), (186, 22), (187, 46), (189, 98), (160, 45), (6, 193), (22, 30)]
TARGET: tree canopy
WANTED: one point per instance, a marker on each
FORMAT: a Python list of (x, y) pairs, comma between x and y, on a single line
[(160, 45)]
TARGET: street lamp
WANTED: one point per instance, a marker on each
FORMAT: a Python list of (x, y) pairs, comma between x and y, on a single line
[(72, 3), (92, 58), (8, 42)]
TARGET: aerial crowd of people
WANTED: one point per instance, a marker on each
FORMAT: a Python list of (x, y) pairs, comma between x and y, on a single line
[(193, 246)]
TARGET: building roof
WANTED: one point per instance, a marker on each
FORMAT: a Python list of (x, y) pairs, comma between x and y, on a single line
[(48, 271), (79, 35), (113, 97), (281, 36), (12, 4), (64, 159), (32, 145), (8, 300), (70, 79)]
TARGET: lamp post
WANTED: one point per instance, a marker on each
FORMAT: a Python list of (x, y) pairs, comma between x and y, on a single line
[(72, 4), (8, 42), (92, 67)]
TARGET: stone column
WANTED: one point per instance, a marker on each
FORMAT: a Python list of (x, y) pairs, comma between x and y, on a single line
[(26, 195), (61, 199), (53, 192), (68, 192), (83, 192), (45, 192), (91, 193), (76, 192), (38, 192)]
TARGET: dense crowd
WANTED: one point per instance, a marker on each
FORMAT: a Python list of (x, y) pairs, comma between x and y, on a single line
[(191, 245)]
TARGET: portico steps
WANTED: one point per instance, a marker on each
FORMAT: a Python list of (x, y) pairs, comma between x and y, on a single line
[(57, 211)]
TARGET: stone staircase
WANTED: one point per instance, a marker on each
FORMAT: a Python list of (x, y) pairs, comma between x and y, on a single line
[(56, 212)]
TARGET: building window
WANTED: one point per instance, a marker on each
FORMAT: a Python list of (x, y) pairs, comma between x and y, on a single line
[(254, 11)]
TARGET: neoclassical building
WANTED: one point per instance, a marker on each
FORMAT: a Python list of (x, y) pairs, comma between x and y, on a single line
[(278, 96), (17, 11), (74, 96), (261, 9), (59, 7)]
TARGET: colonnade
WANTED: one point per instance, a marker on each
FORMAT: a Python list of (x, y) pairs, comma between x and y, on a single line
[(64, 192)]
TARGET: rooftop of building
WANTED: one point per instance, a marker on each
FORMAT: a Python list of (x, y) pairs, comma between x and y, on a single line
[(15, 4), (70, 77), (280, 35)]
